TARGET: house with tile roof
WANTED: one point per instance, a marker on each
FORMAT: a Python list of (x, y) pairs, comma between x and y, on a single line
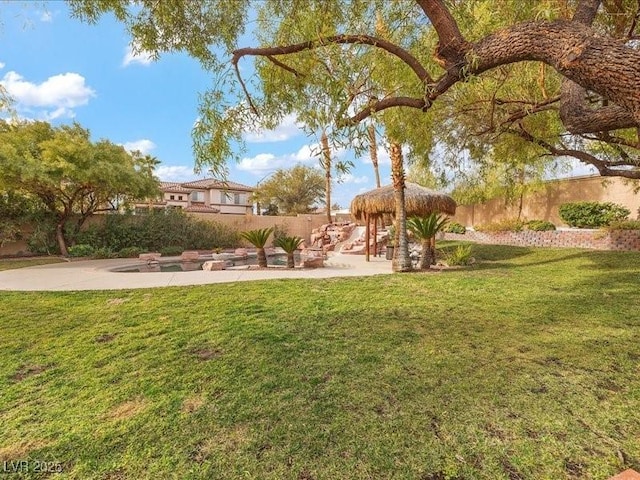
[(204, 196)]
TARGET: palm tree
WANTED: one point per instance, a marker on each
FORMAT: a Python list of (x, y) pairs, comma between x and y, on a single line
[(325, 162), (425, 229), (402, 260), (258, 238), (289, 245)]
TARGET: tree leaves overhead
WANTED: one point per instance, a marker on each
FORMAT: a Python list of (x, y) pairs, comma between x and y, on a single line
[(452, 76)]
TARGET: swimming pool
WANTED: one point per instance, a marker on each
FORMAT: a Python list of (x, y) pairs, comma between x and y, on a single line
[(185, 266)]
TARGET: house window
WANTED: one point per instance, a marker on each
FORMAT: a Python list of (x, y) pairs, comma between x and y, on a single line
[(179, 197), (172, 197), (224, 196), (197, 196)]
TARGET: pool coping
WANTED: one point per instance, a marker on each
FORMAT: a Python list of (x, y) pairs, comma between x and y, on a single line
[(98, 274)]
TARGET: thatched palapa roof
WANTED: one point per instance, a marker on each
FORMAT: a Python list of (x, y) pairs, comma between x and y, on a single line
[(419, 201)]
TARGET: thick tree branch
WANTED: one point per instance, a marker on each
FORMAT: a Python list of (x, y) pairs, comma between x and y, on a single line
[(406, 57), (605, 169), (452, 45), (576, 114), (389, 102)]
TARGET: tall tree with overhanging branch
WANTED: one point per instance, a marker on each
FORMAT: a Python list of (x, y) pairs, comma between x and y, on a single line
[(71, 176), (563, 78)]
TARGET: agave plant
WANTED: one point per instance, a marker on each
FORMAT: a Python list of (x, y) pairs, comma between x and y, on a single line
[(425, 229), (258, 238), (289, 245)]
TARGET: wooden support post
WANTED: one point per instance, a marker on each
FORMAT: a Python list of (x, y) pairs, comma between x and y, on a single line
[(375, 236), (367, 236)]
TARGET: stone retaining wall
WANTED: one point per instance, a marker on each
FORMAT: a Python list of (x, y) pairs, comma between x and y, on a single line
[(594, 239)]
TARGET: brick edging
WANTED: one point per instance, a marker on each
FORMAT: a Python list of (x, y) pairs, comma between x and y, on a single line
[(593, 239)]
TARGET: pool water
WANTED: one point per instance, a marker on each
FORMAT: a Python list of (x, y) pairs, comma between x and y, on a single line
[(178, 266)]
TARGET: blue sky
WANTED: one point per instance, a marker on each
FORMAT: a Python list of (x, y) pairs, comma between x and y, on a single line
[(61, 70)]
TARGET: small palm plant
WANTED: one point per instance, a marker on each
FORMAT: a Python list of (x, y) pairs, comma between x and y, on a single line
[(289, 245), (426, 229), (258, 238)]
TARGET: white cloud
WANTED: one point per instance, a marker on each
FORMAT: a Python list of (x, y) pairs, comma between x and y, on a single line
[(143, 146), (1, 65), (61, 92), (46, 17), (287, 129), (175, 173), (350, 178), (134, 55), (268, 162)]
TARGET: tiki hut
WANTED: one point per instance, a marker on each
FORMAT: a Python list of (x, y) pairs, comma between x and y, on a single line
[(419, 201)]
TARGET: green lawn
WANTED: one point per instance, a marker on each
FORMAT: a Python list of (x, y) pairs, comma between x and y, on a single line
[(11, 263), (525, 367)]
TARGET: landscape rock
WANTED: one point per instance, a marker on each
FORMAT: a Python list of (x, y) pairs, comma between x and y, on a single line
[(213, 265), (150, 256), (190, 256)]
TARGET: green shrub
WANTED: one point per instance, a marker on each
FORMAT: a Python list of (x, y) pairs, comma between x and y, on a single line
[(540, 225), (506, 225), (455, 227), (624, 225), (592, 214), (171, 251), (81, 250), (460, 256), (104, 252), (131, 252), (156, 230), (279, 231)]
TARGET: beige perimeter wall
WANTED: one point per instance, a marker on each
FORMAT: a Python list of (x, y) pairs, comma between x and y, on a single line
[(299, 226), (543, 204)]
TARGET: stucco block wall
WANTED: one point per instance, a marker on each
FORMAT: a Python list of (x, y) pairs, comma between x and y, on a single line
[(299, 226), (543, 204)]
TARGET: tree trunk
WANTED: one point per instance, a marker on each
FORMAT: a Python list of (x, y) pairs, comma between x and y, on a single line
[(426, 259), (290, 262), (373, 152), (262, 258), (401, 261), (326, 163), (62, 244)]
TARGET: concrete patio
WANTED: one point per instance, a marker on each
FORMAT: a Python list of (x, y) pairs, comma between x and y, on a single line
[(97, 274)]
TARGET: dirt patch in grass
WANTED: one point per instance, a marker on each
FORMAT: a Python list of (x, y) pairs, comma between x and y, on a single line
[(21, 450), (192, 404), (106, 337), (224, 443), (127, 409), (26, 371), (206, 353), (118, 474)]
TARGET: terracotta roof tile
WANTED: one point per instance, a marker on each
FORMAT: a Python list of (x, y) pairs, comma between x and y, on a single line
[(213, 183), (201, 209)]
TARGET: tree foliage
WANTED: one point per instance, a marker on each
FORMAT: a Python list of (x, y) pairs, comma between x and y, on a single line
[(293, 191), (485, 82), (70, 176)]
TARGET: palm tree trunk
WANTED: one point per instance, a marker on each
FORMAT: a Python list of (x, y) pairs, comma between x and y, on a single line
[(326, 163), (290, 262), (402, 260), (262, 258), (373, 152), (425, 258)]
